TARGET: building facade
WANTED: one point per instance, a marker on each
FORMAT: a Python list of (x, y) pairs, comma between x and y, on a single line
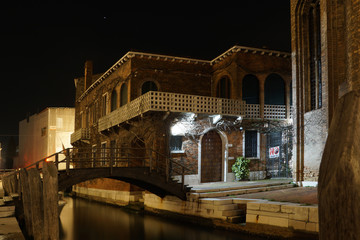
[(202, 114), (43, 134), (319, 73)]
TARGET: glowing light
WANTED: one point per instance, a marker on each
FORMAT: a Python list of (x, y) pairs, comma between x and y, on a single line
[(216, 118), (177, 129)]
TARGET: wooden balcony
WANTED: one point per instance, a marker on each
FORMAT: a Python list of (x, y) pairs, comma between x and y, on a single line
[(80, 134), (175, 102)]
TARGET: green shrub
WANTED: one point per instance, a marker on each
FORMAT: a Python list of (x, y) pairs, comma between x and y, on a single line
[(241, 168)]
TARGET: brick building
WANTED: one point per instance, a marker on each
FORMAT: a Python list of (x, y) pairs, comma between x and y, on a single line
[(326, 76), (201, 113), (319, 73)]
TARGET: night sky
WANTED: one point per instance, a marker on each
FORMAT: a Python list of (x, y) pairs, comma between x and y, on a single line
[(44, 46)]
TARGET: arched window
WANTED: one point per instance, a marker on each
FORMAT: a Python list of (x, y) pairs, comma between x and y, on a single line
[(223, 88), (113, 100), (314, 38), (123, 94), (250, 89), (148, 86), (274, 90)]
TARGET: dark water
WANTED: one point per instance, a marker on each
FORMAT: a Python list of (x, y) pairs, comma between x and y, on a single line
[(83, 219)]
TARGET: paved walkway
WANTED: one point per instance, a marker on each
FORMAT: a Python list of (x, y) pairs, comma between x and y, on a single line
[(224, 185), (303, 195)]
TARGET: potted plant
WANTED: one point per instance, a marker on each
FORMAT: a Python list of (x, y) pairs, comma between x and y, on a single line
[(241, 168)]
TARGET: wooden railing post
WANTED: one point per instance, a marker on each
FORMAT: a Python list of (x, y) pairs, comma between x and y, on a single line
[(67, 152), (57, 160)]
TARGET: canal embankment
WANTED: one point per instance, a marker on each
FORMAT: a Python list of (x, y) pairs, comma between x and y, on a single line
[(228, 206)]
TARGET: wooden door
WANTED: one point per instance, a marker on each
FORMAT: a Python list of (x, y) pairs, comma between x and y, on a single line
[(211, 157)]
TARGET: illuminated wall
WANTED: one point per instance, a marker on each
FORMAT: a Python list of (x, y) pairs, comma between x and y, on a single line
[(43, 134)]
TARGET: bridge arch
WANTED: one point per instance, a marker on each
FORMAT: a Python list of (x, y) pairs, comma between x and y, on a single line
[(139, 176)]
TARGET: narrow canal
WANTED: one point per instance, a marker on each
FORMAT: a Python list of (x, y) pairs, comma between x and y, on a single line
[(83, 219)]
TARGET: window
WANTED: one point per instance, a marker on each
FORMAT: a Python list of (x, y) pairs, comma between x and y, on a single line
[(223, 88), (148, 86), (104, 105), (314, 40), (94, 112), (123, 94), (113, 100), (251, 145), (43, 131), (175, 143)]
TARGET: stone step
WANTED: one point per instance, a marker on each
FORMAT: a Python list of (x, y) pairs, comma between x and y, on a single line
[(197, 189), (235, 192), (232, 213)]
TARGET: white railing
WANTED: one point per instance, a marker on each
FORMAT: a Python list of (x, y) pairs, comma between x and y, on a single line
[(176, 102), (80, 134), (274, 111), (172, 102)]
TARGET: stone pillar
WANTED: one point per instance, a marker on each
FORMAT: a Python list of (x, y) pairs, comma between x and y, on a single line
[(339, 180), (262, 79)]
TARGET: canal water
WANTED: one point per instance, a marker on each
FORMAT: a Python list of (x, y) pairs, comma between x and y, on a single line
[(83, 219)]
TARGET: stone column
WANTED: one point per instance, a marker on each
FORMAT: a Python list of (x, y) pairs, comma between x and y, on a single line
[(339, 180)]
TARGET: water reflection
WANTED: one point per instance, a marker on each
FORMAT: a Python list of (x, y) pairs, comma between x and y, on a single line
[(82, 219)]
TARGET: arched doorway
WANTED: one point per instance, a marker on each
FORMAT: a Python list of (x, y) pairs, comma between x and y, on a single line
[(250, 89), (274, 90), (211, 157), (148, 86)]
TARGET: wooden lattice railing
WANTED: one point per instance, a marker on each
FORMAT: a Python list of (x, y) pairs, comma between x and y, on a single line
[(175, 102)]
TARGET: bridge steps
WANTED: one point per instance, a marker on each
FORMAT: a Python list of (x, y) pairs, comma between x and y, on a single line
[(216, 198)]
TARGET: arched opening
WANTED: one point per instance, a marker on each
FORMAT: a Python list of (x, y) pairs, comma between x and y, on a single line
[(250, 89), (274, 90), (113, 100), (211, 157), (123, 94), (223, 88), (148, 86), (314, 39)]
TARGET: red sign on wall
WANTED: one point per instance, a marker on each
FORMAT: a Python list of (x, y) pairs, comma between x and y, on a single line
[(274, 152)]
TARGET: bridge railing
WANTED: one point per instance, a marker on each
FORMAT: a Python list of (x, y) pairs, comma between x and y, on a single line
[(124, 157), (113, 158)]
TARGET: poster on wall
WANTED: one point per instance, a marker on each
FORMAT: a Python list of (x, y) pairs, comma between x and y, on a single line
[(274, 152)]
